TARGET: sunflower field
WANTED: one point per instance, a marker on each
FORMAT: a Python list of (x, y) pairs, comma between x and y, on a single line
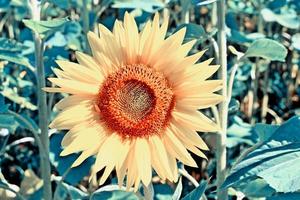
[(149, 99)]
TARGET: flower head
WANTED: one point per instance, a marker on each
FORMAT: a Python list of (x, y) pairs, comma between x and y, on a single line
[(134, 103)]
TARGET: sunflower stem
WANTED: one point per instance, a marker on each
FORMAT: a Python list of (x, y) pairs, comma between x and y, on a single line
[(223, 109), (86, 24), (42, 104)]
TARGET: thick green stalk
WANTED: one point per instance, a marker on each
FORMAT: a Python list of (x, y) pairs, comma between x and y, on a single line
[(42, 105), (223, 108), (86, 24), (43, 117)]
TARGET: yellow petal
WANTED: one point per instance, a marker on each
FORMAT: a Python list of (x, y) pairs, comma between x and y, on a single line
[(192, 88), (72, 116), (142, 156), (76, 87), (73, 100), (160, 154), (84, 141), (201, 102), (80, 73), (195, 121), (132, 38), (177, 149), (88, 61), (84, 155), (190, 135)]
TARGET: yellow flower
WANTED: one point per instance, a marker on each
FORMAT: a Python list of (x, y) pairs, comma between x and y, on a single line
[(134, 103)]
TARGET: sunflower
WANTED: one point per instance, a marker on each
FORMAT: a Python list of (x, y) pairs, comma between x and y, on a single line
[(134, 103)]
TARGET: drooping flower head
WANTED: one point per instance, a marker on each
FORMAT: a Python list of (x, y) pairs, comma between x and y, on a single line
[(134, 103)]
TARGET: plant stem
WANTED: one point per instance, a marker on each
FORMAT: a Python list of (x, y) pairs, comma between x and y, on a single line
[(86, 24), (148, 192), (42, 105), (221, 137), (184, 173)]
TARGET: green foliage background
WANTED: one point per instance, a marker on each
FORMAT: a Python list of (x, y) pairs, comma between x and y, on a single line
[(263, 128)]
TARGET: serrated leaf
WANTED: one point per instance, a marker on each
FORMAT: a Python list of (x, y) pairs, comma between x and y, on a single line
[(197, 192), (45, 28), (268, 49)]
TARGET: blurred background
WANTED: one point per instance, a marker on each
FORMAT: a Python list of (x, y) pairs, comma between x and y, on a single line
[(265, 90)]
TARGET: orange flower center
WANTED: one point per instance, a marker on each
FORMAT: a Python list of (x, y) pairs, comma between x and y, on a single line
[(136, 101)]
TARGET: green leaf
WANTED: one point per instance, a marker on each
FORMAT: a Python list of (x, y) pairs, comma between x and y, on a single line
[(197, 192), (256, 188), (264, 131), (16, 58), (163, 191), (6, 120), (11, 45), (45, 28), (239, 132), (268, 49), (287, 196), (146, 5), (296, 41), (66, 191), (287, 18), (22, 101), (112, 192), (193, 32), (279, 154)]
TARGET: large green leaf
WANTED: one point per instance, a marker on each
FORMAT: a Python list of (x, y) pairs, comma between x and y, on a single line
[(279, 154), (287, 18), (45, 28), (268, 49)]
